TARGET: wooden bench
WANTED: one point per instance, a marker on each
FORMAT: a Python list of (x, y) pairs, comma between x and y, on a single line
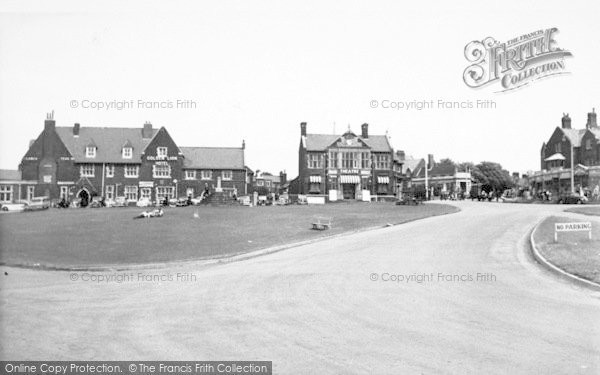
[(321, 223)]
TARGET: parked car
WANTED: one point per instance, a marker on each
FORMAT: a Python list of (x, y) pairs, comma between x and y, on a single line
[(144, 202), (15, 207), (571, 198), (37, 203)]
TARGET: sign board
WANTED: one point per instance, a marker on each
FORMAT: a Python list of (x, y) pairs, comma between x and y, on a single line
[(572, 227), (333, 195), (315, 199), (146, 184)]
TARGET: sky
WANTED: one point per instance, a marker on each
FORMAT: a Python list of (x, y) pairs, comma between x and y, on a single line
[(254, 71)]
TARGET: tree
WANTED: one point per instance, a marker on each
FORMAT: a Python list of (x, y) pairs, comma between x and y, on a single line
[(491, 176)]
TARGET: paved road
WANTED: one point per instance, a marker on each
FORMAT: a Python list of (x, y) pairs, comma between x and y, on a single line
[(314, 309)]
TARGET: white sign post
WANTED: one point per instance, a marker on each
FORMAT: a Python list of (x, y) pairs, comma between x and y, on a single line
[(572, 227)]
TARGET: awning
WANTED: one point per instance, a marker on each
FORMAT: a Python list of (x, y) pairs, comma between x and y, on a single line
[(556, 156), (383, 179), (547, 177), (565, 175), (315, 179), (349, 179)]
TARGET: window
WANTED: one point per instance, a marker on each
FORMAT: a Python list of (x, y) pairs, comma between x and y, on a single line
[(64, 192), (31, 192), (588, 144), (260, 182), (382, 161), (110, 171), (315, 160), (206, 175), (127, 152), (132, 171), (365, 160), (227, 175), (110, 192), (131, 193), (349, 160), (314, 188), (268, 183), (86, 170), (145, 193), (90, 152), (333, 159), (161, 152), (558, 148), (161, 170), (190, 175), (6, 192), (163, 192)]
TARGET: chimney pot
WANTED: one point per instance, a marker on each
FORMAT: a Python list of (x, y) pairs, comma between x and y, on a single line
[(566, 121), (303, 129), (76, 127)]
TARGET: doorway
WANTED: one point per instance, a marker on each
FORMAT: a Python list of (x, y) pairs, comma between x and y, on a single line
[(85, 198), (349, 191)]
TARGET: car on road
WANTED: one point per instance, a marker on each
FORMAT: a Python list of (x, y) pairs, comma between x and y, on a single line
[(14, 207), (37, 203), (571, 198)]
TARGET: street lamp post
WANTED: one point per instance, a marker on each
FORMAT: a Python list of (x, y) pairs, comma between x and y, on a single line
[(426, 179), (176, 192), (572, 170)]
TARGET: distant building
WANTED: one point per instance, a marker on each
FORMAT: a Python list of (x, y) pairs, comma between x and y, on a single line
[(134, 163), (268, 182), (13, 188), (346, 166), (565, 147), (441, 177)]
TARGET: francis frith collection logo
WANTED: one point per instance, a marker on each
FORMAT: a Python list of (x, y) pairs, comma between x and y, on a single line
[(514, 63)]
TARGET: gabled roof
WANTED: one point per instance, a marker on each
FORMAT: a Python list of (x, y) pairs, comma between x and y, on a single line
[(10, 175), (213, 157), (411, 163), (574, 135), (554, 157), (109, 143), (439, 169), (320, 142)]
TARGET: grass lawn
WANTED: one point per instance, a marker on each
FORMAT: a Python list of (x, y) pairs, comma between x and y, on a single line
[(86, 237), (573, 252), (589, 210)]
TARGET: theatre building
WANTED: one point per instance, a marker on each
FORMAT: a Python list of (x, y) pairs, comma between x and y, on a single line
[(134, 163), (347, 166)]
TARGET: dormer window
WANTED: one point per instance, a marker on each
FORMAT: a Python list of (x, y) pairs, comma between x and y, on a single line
[(161, 152), (90, 152), (127, 152)]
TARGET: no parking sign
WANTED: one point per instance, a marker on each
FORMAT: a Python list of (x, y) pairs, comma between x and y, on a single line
[(572, 227)]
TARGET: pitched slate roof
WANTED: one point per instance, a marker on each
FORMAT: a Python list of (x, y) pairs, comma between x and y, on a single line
[(574, 135), (213, 157), (10, 175), (320, 142), (109, 143), (439, 169), (411, 163)]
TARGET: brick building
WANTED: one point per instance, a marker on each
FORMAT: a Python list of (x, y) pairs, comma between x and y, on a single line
[(568, 150), (347, 166), (134, 163)]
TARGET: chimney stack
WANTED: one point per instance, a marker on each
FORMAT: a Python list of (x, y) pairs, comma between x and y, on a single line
[(566, 121), (430, 161), (283, 177), (303, 129), (76, 129), (49, 123), (365, 130), (591, 120), (147, 130), (401, 155), (243, 144)]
